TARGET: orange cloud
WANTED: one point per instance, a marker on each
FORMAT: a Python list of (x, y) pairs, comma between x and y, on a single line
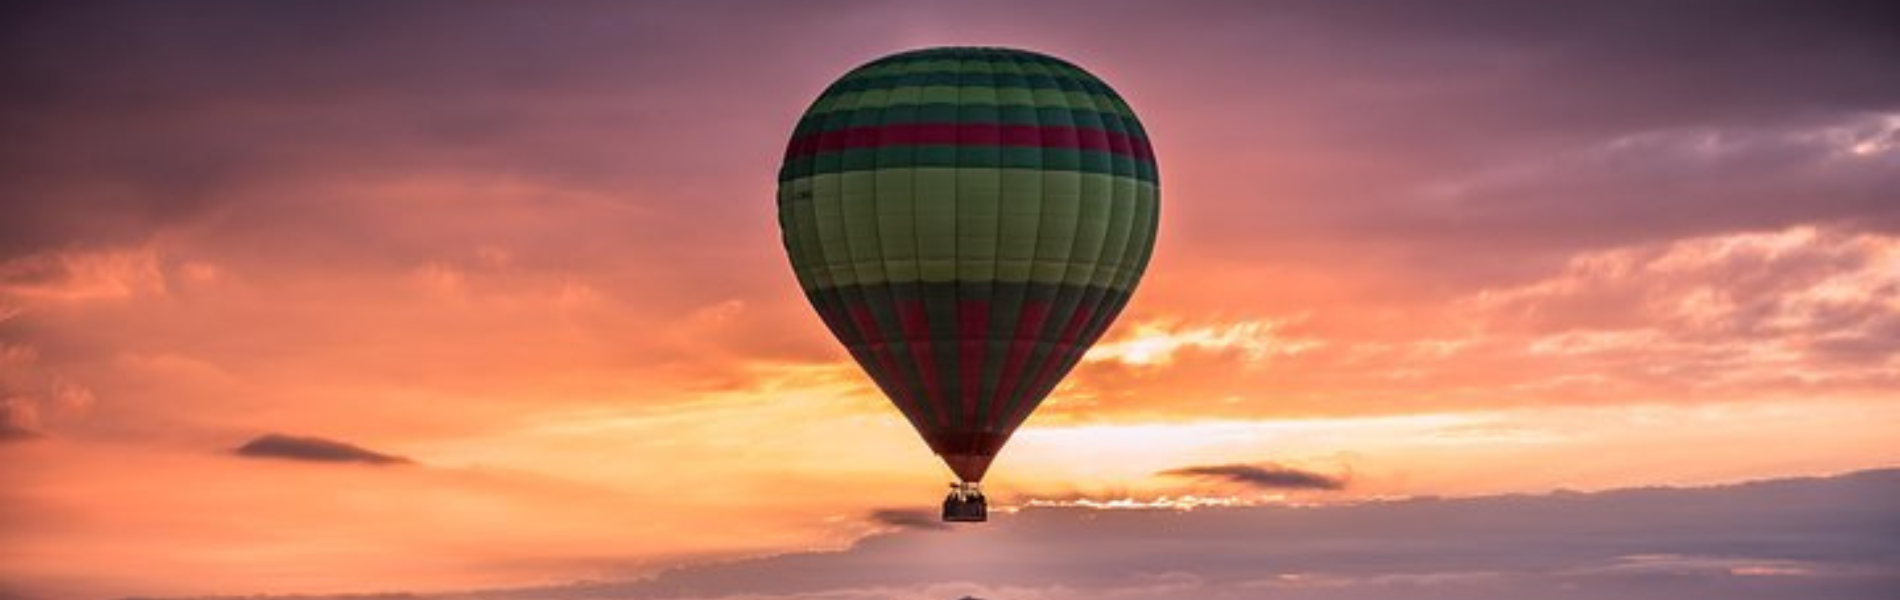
[(75, 276)]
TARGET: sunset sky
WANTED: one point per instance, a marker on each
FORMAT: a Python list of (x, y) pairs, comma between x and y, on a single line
[(506, 279)]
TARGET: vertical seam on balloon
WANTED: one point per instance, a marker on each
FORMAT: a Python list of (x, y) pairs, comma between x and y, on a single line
[(913, 371), (922, 348), (1094, 311), (1053, 329), (1088, 308), (1083, 316), (983, 409), (988, 392), (1138, 253), (927, 399), (979, 73), (1041, 341), (1026, 372), (844, 293), (825, 290), (1115, 208), (850, 263), (1004, 396), (1007, 377), (887, 354), (949, 363)]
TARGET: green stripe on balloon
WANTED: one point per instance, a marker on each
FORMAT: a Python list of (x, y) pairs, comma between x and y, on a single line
[(946, 112), (870, 221)]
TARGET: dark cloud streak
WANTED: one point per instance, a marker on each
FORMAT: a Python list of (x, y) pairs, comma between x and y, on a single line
[(1262, 476), (16, 420), (313, 449), (14, 433), (904, 518)]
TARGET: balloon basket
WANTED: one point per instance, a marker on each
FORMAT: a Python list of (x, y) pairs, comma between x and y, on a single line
[(965, 504)]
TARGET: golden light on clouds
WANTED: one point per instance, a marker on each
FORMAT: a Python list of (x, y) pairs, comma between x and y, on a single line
[(551, 416), (1153, 344)]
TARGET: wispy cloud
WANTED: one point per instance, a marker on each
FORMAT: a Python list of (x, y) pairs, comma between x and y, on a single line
[(1160, 502), (75, 275), (1737, 311), (1156, 343), (12, 431)]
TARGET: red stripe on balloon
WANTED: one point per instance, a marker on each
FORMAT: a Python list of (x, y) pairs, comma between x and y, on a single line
[(973, 324), (1053, 368), (916, 326), (970, 134), (873, 336), (1032, 316)]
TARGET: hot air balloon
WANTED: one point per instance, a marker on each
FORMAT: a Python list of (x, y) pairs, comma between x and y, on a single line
[(967, 222)]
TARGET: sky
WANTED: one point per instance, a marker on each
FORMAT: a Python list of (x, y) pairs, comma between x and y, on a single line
[(304, 297)]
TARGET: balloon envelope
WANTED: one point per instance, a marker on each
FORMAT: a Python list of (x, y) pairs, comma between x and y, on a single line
[(968, 221)]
